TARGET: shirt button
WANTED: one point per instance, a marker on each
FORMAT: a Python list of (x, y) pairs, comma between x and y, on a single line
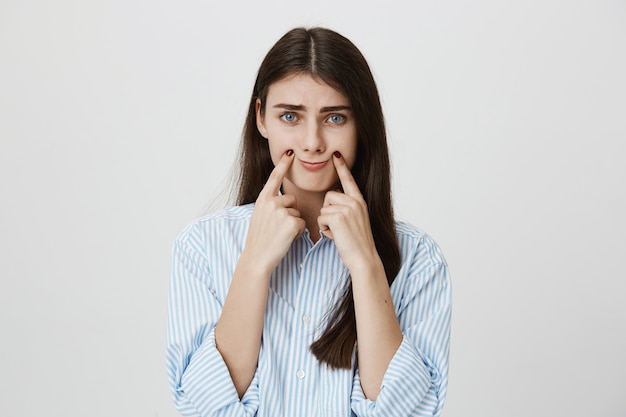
[(300, 374), (306, 319)]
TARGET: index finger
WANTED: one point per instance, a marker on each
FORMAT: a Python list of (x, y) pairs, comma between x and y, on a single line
[(275, 180), (348, 183)]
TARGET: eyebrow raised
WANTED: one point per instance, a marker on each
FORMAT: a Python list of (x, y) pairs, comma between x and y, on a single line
[(300, 107)]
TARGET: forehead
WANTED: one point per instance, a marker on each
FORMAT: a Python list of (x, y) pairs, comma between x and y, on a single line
[(304, 89)]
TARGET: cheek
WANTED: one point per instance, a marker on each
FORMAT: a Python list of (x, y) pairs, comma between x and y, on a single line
[(275, 156), (350, 159), (276, 151), (348, 151)]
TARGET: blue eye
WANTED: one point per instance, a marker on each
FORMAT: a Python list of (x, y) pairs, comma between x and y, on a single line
[(336, 118), (288, 117)]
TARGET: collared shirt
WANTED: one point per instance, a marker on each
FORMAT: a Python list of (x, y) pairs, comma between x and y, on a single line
[(289, 380)]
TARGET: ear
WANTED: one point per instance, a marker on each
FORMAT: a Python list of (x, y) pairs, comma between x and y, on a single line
[(260, 119)]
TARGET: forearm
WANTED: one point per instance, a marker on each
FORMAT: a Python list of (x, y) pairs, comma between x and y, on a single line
[(378, 331), (239, 329)]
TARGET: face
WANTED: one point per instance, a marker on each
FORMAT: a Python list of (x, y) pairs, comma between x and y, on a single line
[(313, 119)]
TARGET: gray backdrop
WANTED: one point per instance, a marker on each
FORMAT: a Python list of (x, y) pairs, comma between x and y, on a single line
[(119, 122)]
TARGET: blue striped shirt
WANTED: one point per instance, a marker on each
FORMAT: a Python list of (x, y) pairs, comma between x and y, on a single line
[(289, 381)]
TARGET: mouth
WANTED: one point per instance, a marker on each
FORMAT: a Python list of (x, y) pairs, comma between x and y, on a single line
[(313, 166)]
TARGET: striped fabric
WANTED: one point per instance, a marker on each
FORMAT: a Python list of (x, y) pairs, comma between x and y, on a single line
[(289, 381)]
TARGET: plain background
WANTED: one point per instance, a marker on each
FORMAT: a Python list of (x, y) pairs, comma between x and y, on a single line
[(119, 124)]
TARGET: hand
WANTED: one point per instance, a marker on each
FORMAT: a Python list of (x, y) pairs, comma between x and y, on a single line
[(275, 221), (344, 218)]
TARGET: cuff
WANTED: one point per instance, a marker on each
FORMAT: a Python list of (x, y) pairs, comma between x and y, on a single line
[(207, 384), (405, 383)]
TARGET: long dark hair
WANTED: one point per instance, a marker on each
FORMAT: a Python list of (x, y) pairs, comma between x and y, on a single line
[(328, 55)]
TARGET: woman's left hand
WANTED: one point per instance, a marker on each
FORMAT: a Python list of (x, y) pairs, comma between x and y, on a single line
[(344, 218)]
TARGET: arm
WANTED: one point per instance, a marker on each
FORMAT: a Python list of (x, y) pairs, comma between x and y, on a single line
[(378, 332), (238, 332), (275, 223), (416, 379), (402, 349), (198, 377), (211, 362), (344, 218)]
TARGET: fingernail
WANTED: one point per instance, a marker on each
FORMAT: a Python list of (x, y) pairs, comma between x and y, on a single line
[(337, 154), (289, 152)]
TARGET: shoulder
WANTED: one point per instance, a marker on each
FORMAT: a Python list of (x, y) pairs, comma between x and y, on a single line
[(418, 246), (233, 214), (213, 225), (423, 271)]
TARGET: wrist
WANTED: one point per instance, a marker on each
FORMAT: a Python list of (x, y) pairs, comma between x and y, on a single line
[(369, 266), (253, 265)]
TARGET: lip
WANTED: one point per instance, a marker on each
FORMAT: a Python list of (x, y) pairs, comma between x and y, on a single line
[(313, 166)]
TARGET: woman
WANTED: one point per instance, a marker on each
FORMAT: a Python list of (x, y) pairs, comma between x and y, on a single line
[(308, 298)]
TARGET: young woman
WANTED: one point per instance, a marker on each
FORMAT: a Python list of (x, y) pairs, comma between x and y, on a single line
[(308, 298)]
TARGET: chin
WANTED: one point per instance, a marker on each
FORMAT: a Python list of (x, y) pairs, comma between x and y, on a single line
[(313, 186)]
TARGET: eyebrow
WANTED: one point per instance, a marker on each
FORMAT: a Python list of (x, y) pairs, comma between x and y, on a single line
[(300, 107)]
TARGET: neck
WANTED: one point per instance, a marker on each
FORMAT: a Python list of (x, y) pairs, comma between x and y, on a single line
[(309, 205)]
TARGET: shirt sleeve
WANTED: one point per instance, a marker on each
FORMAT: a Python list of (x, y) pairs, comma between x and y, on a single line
[(198, 376), (416, 379)]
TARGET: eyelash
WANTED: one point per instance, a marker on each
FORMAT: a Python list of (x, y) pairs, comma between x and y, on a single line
[(284, 115), (343, 118), (291, 114)]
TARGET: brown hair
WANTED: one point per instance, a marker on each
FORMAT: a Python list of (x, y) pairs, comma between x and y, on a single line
[(328, 55)]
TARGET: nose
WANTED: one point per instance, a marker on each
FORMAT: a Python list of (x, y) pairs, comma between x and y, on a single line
[(312, 140)]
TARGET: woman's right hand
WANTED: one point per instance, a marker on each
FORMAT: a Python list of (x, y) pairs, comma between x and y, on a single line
[(275, 221)]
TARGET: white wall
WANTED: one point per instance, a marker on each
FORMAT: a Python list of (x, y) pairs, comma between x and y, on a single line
[(119, 122)]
